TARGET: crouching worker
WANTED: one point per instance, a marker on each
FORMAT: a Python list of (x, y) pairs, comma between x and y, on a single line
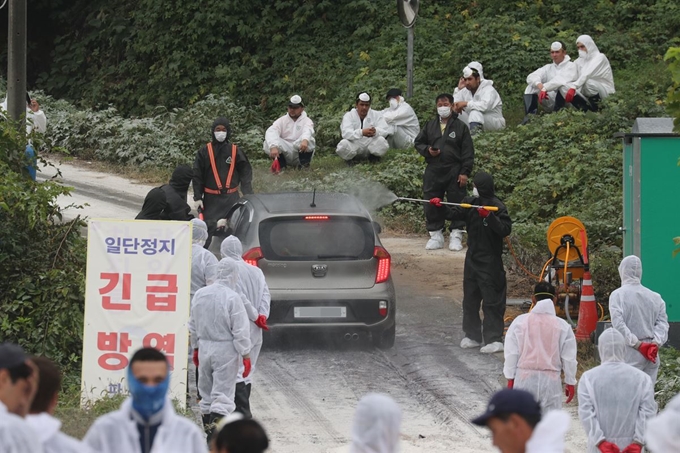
[(363, 133), (220, 325), (146, 422), (291, 138)]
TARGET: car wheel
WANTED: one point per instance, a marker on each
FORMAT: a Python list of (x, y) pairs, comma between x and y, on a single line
[(385, 339)]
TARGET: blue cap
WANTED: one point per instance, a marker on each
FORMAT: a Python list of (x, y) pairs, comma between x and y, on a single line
[(509, 401)]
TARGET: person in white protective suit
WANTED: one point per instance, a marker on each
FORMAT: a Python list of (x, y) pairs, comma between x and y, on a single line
[(615, 400), (538, 347), (254, 287), (548, 85), (41, 415), (146, 422), (18, 385), (402, 121), (219, 323), (640, 315), (291, 138), (595, 78), (477, 102), (514, 418), (35, 121), (663, 431), (376, 426), (202, 260), (363, 132)]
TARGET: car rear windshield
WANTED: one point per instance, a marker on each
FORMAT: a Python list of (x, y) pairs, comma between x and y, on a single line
[(327, 238)]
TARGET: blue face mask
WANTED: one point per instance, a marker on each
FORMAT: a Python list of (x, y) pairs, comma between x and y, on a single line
[(147, 400)]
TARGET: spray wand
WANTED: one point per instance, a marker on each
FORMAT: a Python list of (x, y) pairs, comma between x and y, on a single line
[(462, 205)]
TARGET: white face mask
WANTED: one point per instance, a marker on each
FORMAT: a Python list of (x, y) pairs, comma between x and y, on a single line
[(475, 192), (444, 111), (394, 104), (220, 136), (582, 53)]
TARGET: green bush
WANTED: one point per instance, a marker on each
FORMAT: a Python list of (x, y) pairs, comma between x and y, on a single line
[(668, 381), (42, 261)]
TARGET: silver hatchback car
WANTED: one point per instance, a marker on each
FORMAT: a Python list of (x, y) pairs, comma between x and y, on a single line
[(323, 261)]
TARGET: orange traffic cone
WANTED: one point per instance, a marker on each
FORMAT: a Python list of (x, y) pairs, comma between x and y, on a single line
[(587, 311)]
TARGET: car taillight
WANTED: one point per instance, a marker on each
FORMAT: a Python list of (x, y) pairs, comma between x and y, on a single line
[(316, 217), (384, 264), (382, 308), (252, 256)]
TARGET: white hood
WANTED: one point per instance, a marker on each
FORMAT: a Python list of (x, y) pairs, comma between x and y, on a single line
[(44, 425)]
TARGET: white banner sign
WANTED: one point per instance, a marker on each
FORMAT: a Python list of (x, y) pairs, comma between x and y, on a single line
[(137, 294)]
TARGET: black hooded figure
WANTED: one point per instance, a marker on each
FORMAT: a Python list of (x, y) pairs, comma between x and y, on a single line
[(484, 275), (216, 181), (169, 201)]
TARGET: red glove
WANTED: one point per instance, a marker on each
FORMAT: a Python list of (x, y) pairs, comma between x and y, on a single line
[(436, 202), (483, 213), (542, 95), (633, 448), (511, 383), (247, 366), (276, 166), (649, 351), (570, 95), (569, 392), (608, 447), (261, 322), (196, 357)]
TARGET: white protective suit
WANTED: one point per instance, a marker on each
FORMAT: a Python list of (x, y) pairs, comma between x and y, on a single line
[(254, 287), (538, 346), (594, 71), (376, 426), (485, 106), (52, 439), (403, 125), (663, 431), (548, 435), (219, 322), (34, 120), (555, 78), (117, 432), (614, 399), (639, 314), (16, 436), (202, 260), (287, 134), (354, 143)]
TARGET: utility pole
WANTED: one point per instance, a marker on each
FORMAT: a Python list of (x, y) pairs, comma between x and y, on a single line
[(409, 63), (16, 62)]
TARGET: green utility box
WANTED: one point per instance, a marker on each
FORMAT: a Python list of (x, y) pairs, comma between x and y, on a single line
[(651, 209)]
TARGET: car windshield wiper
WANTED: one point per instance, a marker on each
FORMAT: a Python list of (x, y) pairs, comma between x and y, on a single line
[(328, 257)]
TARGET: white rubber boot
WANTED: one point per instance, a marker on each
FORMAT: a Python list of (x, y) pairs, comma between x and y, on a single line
[(436, 240), (496, 346), (456, 241), (467, 343)]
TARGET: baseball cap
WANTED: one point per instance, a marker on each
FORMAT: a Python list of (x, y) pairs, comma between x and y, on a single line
[(393, 93), (11, 355), (295, 102), (509, 401)]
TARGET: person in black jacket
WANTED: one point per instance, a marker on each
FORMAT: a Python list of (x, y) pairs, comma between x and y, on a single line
[(220, 169), (169, 201), (446, 144), (484, 275)]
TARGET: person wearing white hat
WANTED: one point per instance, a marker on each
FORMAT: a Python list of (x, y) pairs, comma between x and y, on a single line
[(363, 132), (479, 105), (291, 137), (401, 119), (595, 79), (548, 85)]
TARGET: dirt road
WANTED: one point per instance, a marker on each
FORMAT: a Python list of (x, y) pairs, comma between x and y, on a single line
[(305, 389)]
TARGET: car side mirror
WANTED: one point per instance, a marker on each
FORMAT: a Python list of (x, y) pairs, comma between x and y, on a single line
[(377, 227)]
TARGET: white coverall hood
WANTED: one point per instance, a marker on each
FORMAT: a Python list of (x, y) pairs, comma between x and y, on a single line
[(630, 270), (612, 346), (232, 248), (663, 431), (377, 424), (199, 231), (591, 47), (478, 66), (44, 425), (548, 436), (227, 274)]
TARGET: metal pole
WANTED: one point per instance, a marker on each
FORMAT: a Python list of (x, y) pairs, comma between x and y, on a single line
[(409, 62), (16, 62)]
